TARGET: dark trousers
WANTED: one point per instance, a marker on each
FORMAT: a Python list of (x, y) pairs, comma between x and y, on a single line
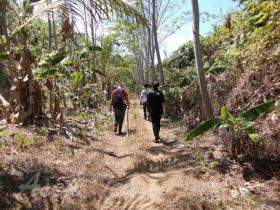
[(146, 110), (119, 116), (155, 118)]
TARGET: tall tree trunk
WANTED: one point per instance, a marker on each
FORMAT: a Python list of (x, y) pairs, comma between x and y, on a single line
[(151, 55), (154, 26), (198, 59), (3, 23), (54, 31), (49, 49), (49, 30), (85, 18)]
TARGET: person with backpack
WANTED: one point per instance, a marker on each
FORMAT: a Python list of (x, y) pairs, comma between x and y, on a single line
[(143, 101), (119, 103), (155, 99)]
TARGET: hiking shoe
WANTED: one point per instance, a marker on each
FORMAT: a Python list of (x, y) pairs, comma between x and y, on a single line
[(157, 140), (121, 133), (115, 128)]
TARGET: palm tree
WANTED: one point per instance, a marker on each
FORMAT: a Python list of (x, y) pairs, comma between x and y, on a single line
[(111, 65), (27, 97)]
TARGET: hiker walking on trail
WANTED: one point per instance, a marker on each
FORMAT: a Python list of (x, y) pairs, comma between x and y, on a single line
[(155, 100), (143, 101), (119, 103)]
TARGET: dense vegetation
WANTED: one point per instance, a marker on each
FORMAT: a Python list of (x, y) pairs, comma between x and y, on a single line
[(52, 75), (240, 60)]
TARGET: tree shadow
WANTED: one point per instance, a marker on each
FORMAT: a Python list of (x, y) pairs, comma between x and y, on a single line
[(136, 201), (132, 131), (264, 169), (109, 153), (22, 190)]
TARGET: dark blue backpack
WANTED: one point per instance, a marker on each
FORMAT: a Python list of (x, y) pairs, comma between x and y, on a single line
[(117, 98)]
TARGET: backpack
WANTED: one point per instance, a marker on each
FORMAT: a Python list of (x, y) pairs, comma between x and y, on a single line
[(117, 98), (144, 95)]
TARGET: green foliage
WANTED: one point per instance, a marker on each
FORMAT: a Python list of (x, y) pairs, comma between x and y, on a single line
[(102, 123), (257, 111), (171, 92), (203, 127), (242, 123), (22, 139), (77, 79)]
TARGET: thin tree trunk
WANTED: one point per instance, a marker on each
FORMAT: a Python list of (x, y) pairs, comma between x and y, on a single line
[(154, 26), (54, 31), (198, 58), (51, 98), (92, 28), (3, 24), (85, 19), (50, 31), (150, 46)]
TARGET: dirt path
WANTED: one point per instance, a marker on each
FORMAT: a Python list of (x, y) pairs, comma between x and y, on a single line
[(110, 172), (174, 174), (146, 175)]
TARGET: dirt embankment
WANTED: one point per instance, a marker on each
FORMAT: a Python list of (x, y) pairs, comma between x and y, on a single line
[(113, 172)]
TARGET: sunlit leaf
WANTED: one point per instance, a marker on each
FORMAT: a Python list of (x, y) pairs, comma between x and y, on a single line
[(202, 128), (257, 111), (252, 134)]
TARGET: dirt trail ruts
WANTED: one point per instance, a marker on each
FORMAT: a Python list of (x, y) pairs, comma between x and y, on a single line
[(144, 174), (112, 172)]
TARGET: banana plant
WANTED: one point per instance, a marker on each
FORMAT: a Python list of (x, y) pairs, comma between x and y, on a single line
[(242, 123)]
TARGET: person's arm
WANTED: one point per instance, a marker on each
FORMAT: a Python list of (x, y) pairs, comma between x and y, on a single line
[(125, 94), (141, 97), (148, 100), (111, 103), (127, 102), (162, 97)]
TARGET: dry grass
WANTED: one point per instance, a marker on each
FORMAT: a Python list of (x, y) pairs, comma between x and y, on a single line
[(113, 172)]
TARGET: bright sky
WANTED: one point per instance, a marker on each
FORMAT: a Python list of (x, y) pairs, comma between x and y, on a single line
[(216, 7), (173, 42)]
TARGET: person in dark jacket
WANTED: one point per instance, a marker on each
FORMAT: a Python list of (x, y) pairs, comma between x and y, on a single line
[(155, 99)]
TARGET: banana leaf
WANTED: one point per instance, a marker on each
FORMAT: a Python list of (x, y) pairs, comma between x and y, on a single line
[(187, 80), (257, 111), (225, 115), (4, 56), (216, 71), (252, 134), (69, 62), (46, 73), (202, 128), (61, 54), (99, 72)]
